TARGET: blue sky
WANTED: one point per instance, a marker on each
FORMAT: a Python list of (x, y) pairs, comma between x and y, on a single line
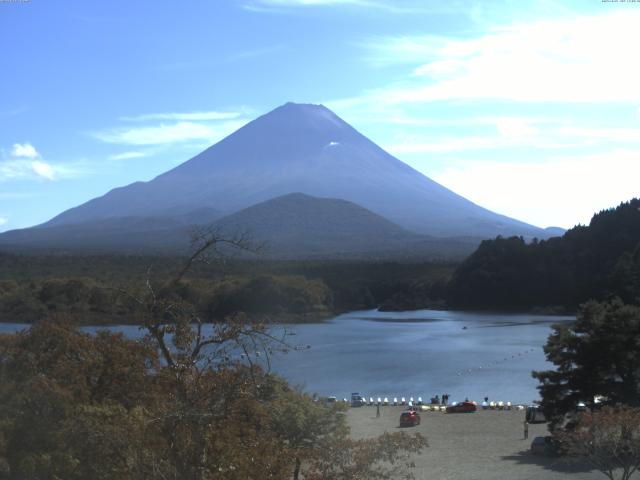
[(531, 109)]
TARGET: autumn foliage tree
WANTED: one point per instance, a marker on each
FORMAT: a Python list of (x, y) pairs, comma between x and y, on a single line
[(65, 394), (608, 439), (184, 402)]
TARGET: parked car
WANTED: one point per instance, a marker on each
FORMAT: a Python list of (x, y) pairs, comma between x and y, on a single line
[(329, 401), (357, 400), (534, 414), (462, 407), (544, 446), (409, 418)]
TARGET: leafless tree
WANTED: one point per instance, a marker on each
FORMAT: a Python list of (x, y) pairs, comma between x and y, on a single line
[(177, 328)]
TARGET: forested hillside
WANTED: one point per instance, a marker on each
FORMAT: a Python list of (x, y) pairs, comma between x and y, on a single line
[(182, 402), (94, 288), (589, 262)]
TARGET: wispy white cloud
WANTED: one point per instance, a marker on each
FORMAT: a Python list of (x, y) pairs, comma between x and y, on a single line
[(167, 128), (43, 169), (3, 221), (23, 162), (514, 132), (609, 134), (472, 144), (392, 6), (559, 190), (24, 150), (183, 116), (515, 128), (304, 3), (127, 155), (498, 133), (165, 134), (583, 59), (383, 51), (448, 145), (27, 169)]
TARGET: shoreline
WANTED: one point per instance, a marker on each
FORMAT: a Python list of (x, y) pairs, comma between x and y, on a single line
[(319, 317), (278, 319)]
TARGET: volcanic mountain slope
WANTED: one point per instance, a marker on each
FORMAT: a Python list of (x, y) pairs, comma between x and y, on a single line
[(291, 226), (298, 225), (300, 148)]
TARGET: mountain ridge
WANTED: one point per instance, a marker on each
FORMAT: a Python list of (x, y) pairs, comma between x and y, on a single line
[(293, 226), (302, 148)]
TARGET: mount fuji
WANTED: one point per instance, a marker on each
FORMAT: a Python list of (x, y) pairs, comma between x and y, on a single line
[(296, 148)]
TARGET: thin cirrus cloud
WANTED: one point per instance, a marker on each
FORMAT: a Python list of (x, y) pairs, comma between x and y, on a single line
[(453, 144), (43, 170), (298, 3), (581, 61), (16, 169), (188, 116), (598, 181), (473, 144), (517, 133), (514, 132), (384, 5), (584, 59), (164, 129), (168, 134), (310, 3), (127, 155), (498, 133)]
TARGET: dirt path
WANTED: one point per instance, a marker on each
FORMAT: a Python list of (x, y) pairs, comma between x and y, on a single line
[(485, 445)]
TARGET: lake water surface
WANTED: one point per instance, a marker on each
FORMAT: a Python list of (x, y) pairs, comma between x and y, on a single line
[(421, 353), (418, 353)]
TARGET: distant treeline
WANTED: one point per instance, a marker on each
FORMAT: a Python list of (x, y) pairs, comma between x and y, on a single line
[(100, 289), (597, 262)]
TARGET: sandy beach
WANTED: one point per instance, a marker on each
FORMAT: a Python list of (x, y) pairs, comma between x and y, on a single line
[(471, 446)]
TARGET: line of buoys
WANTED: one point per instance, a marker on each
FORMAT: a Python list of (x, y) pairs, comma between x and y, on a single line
[(395, 402), (469, 371), (427, 407)]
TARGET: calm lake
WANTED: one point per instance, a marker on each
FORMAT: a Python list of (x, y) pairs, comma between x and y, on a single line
[(418, 353)]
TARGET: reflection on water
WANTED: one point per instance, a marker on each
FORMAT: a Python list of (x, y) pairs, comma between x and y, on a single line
[(418, 353), (421, 353)]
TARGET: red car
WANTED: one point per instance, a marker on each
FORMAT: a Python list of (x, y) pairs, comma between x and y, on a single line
[(409, 419), (462, 407)]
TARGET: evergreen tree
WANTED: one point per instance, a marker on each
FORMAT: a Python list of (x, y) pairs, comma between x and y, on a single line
[(597, 355)]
